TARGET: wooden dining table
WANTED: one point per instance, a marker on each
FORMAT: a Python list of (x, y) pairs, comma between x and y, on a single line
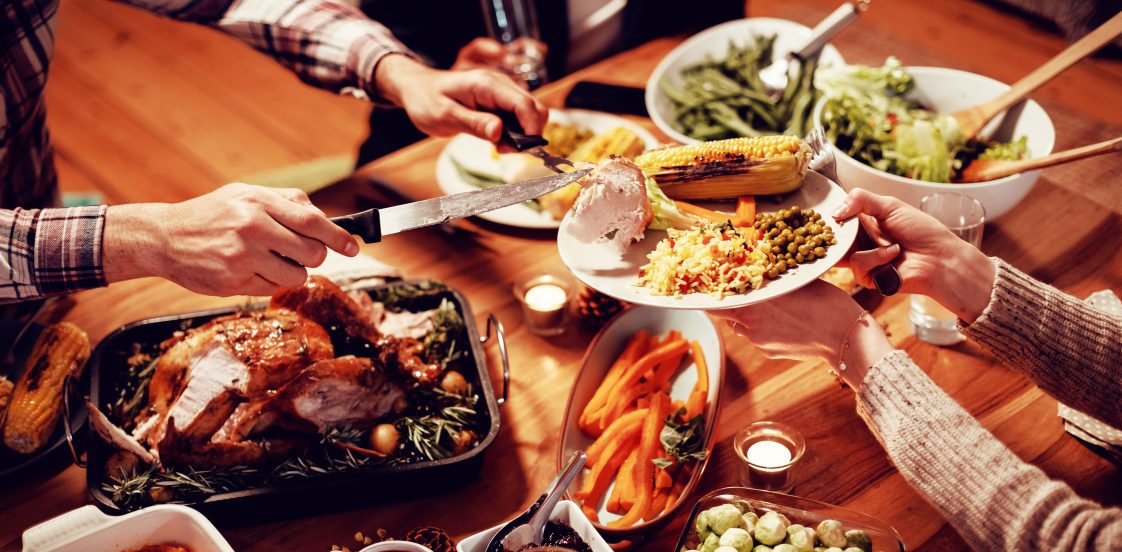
[(1067, 232)]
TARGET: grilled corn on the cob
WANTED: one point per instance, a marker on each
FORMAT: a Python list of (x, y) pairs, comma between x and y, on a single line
[(36, 403), (729, 168)]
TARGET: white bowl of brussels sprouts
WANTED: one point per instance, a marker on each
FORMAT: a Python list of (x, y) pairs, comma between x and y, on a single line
[(739, 519), (940, 90)]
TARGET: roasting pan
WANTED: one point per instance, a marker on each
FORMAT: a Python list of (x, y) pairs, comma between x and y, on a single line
[(108, 371)]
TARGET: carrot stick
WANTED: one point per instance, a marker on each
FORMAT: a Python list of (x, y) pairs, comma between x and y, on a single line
[(632, 375), (644, 473), (596, 482), (745, 211), (680, 481), (695, 405), (636, 347), (628, 423), (701, 212), (658, 503), (626, 483), (663, 479)]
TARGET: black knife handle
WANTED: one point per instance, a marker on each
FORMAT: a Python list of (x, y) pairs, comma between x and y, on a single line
[(885, 277), (514, 137), (366, 225)]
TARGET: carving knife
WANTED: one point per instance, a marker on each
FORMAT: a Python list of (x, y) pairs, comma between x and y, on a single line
[(372, 224)]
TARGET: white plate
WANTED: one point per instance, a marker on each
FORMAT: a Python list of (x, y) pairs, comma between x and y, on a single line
[(713, 43), (602, 353), (601, 268), (519, 215)]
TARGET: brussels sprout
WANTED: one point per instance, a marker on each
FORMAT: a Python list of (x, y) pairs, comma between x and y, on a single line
[(801, 537), (831, 533), (853, 549), (819, 549), (762, 548), (770, 529), (701, 524), (737, 538), (834, 549), (710, 544), (784, 519), (856, 538), (726, 549), (743, 506), (784, 548), (724, 517), (748, 521)]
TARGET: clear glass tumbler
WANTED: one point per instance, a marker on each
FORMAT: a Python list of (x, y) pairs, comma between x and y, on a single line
[(966, 217), (515, 24)]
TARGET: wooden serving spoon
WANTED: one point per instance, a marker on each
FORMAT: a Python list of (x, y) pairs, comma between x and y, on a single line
[(971, 121), (982, 170)]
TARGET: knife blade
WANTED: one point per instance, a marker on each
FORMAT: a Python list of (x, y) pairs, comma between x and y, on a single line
[(372, 224)]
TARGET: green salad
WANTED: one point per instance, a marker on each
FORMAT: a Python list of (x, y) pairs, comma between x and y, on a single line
[(867, 115)]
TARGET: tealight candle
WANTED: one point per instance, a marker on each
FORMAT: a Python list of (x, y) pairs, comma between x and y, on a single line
[(545, 301), (769, 451)]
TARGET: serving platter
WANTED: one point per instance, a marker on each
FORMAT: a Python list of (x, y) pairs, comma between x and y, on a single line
[(797, 509), (600, 267), (602, 352), (109, 373), (450, 182)]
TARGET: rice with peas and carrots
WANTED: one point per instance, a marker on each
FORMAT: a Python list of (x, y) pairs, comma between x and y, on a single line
[(717, 259)]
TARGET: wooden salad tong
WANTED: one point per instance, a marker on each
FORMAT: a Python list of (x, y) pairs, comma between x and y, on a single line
[(982, 170), (970, 121)]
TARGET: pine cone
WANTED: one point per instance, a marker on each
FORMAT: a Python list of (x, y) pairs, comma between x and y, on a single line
[(433, 537), (595, 308)]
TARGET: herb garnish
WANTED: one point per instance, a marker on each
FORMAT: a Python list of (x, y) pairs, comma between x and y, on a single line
[(684, 442)]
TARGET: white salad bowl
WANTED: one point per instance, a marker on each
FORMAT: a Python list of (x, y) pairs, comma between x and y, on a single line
[(946, 91), (88, 529), (713, 43)]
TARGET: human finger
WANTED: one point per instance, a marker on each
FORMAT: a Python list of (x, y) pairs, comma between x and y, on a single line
[(258, 286), (296, 195), (310, 222), (863, 262), (285, 242), (862, 201), (280, 271), (497, 93)]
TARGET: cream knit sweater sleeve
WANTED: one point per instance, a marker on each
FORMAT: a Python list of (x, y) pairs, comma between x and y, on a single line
[(991, 497), (1073, 351)]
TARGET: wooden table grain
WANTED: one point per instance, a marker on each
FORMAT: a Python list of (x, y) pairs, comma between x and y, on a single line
[(1067, 232)]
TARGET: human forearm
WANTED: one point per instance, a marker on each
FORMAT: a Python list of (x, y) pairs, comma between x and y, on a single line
[(992, 498), (135, 241), (1070, 349), (964, 283), (327, 43)]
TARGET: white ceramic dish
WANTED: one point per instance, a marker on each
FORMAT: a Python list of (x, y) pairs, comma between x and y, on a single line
[(713, 43), (450, 181), (601, 354), (946, 91), (87, 529), (601, 268), (396, 546), (566, 511)]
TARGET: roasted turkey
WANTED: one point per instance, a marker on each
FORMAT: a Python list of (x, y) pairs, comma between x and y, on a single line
[(249, 387)]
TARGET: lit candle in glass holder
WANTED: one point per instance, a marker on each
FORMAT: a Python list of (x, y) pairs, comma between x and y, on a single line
[(770, 451), (545, 302)]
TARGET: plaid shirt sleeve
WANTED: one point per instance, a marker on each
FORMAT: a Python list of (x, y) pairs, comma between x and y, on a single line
[(50, 251), (325, 42)]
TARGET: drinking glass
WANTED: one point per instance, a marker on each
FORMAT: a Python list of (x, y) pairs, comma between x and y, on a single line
[(515, 24), (965, 216)]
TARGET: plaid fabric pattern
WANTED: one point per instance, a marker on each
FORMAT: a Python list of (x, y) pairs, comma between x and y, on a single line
[(326, 43)]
